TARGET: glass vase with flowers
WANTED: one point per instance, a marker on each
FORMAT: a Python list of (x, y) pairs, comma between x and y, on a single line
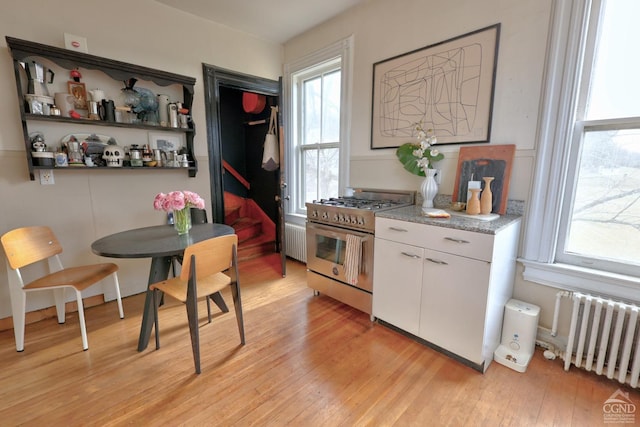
[(180, 204)]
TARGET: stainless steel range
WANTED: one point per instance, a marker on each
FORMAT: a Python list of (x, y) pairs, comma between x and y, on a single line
[(340, 235)]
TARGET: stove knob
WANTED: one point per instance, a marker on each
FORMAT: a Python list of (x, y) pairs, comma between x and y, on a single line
[(360, 220), (325, 215), (335, 217), (314, 214), (353, 220), (340, 218)]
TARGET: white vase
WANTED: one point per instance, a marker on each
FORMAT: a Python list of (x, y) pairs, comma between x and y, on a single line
[(429, 189)]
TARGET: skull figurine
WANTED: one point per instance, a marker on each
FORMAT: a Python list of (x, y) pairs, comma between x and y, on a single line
[(113, 155), (37, 142)]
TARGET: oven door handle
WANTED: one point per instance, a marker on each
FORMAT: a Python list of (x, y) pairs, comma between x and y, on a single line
[(331, 232)]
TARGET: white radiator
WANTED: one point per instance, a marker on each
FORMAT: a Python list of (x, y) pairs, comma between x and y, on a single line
[(603, 337), (296, 241)]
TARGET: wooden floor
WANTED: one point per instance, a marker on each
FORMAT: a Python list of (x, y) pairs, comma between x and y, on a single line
[(308, 361)]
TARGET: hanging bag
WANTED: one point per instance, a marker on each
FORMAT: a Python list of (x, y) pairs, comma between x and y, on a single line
[(271, 154)]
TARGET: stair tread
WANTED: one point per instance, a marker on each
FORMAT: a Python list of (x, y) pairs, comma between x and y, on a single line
[(255, 247), (244, 222)]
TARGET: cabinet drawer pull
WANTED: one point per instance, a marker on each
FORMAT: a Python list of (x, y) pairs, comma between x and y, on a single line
[(409, 255), (451, 239), (436, 261), (398, 229)]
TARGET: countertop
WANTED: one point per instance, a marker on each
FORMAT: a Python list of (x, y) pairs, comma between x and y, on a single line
[(414, 214)]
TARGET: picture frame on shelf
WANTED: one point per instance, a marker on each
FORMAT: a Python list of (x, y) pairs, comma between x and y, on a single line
[(166, 141), (448, 87), (79, 92)]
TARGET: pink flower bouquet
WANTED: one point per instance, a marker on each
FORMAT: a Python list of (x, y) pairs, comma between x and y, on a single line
[(180, 203)]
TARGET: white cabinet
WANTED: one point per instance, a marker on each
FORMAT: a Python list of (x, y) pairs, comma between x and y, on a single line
[(398, 302), (444, 285)]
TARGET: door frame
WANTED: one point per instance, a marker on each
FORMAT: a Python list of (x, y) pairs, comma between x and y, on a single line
[(214, 77)]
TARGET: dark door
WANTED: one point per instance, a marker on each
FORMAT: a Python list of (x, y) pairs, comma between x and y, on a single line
[(226, 124)]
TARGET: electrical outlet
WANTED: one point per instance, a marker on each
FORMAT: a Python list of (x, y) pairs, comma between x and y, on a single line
[(46, 177)]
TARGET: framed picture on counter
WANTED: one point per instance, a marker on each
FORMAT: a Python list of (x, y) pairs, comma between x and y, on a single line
[(166, 141), (448, 87)]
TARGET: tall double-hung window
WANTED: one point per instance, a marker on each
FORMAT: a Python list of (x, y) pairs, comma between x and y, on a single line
[(584, 228), (317, 94)]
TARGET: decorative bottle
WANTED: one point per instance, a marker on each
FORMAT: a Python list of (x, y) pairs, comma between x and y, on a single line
[(473, 205), (486, 199)]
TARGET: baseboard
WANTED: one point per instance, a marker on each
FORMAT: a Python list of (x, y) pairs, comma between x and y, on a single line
[(46, 313)]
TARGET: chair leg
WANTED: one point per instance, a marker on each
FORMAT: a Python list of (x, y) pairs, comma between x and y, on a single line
[(209, 308), (237, 303), (58, 296), (83, 326), (217, 298), (155, 317), (119, 298), (192, 314), (19, 308)]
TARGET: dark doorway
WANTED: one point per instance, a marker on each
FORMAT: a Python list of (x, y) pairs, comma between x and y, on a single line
[(235, 137)]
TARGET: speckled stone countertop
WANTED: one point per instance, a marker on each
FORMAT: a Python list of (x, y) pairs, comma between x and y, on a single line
[(414, 214)]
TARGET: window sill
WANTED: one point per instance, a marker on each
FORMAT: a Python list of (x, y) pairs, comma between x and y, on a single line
[(572, 278), (295, 219)]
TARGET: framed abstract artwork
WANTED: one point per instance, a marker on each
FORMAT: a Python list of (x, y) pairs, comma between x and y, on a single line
[(447, 86)]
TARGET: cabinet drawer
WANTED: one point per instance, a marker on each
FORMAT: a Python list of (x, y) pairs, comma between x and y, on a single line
[(458, 242)]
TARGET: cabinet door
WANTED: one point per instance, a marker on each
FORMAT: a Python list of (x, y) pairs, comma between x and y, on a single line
[(397, 283), (454, 302)]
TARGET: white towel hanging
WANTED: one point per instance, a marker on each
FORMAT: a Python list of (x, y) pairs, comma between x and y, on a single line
[(352, 258)]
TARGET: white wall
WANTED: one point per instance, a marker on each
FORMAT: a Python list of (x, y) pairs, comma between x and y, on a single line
[(383, 29), (85, 205)]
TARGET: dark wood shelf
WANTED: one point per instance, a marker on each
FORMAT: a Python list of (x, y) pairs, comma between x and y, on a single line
[(22, 50), (85, 122)]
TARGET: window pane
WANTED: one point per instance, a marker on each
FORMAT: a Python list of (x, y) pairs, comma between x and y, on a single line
[(331, 107), (312, 111), (329, 170), (615, 87), (310, 170), (321, 174), (605, 219)]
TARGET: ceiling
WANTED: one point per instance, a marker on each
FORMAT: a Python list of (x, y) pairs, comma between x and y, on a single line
[(274, 20)]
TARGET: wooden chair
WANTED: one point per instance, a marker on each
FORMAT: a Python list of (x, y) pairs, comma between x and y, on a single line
[(202, 275), (28, 245), (199, 216)]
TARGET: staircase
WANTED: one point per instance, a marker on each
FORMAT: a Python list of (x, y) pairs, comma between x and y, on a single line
[(256, 231)]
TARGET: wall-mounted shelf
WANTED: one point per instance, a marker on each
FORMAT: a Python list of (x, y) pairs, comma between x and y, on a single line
[(22, 50)]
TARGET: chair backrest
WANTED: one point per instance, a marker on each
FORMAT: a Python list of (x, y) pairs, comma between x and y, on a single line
[(26, 245), (212, 256), (198, 216)]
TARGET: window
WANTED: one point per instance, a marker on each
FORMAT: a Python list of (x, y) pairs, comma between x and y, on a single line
[(317, 145), (590, 149), (317, 93), (600, 227)]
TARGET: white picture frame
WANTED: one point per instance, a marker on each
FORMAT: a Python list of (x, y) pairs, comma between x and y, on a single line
[(166, 141)]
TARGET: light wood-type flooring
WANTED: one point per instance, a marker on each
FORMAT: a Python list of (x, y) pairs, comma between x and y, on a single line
[(308, 361)]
